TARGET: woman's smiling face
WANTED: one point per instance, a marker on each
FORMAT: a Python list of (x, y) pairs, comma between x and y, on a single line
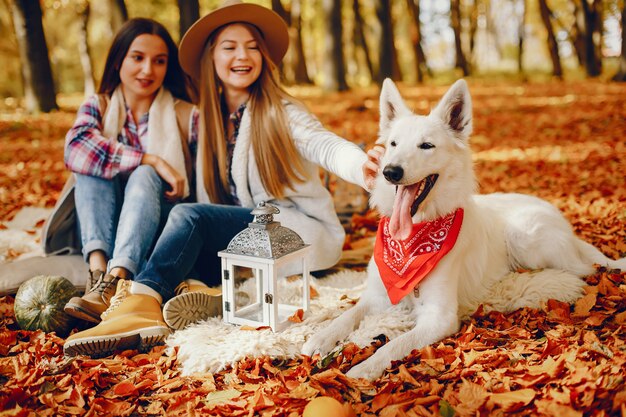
[(144, 67), (237, 58)]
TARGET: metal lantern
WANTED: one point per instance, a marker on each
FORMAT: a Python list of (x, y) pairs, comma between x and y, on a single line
[(251, 265)]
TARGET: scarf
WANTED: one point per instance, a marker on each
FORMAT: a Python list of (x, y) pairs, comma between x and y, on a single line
[(163, 135), (402, 264)]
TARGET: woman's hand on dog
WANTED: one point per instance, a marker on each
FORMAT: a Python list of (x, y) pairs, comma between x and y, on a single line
[(372, 166)]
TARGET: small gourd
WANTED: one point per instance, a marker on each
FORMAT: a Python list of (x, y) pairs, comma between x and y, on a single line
[(39, 304)]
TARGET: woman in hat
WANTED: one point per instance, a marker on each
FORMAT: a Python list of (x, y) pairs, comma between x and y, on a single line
[(256, 143)]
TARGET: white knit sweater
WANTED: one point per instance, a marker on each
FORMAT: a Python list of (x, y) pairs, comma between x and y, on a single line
[(308, 209)]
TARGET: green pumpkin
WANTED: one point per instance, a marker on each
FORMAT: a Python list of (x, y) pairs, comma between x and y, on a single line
[(39, 304)]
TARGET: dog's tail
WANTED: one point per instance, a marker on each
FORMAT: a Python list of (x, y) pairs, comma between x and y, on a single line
[(591, 255), (529, 289)]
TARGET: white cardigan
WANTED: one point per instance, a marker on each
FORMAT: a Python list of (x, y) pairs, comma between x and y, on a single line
[(308, 209)]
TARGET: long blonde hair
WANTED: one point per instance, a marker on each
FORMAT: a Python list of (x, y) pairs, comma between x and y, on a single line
[(279, 163)]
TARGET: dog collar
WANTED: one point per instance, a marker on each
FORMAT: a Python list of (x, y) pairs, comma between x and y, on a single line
[(403, 264)]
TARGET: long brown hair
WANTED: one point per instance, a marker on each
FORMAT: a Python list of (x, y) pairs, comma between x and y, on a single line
[(279, 163), (176, 81)]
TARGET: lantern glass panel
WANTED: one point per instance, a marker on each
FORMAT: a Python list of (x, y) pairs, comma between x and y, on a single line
[(248, 295), (290, 289)]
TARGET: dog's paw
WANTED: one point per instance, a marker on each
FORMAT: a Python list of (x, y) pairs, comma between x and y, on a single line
[(318, 344), (369, 369), (309, 347)]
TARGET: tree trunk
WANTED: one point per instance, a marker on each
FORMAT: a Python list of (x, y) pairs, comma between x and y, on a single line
[(455, 21), (277, 6), (492, 30), (334, 62), (188, 13), (359, 37), (421, 65), (473, 27), (301, 75), (553, 47), (118, 14), (576, 33), (84, 51), (621, 73), (521, 34), (36, 72), (388, 66), (593, 36)]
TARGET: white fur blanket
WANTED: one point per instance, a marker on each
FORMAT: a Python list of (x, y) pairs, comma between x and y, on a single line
[(212, 345), (22, 234)]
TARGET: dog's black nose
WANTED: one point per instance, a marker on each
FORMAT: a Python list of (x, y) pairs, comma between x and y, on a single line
[(393, 173)]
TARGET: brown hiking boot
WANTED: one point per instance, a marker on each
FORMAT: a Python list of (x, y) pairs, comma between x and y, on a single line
[(96, 300), (132, 321), (94, 276), (193, 303)]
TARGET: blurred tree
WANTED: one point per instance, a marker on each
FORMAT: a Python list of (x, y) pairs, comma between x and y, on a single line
[(553, 47), (84, 10), (592, 35), (388, 66), (293, 67), (10, 71), (277, 6), (621, 73), (301, 75), (36, 72), (189, 12), (521, 34), (455, 21), (492, 28), (575, 33), (421, 65), (334, 66), (473, 26), (359, 37), (118, 14)]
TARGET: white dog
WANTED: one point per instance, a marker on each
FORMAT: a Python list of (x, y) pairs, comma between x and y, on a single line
[(464, 246)]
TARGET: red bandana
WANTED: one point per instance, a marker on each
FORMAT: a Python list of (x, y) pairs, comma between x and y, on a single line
[(402, 264)]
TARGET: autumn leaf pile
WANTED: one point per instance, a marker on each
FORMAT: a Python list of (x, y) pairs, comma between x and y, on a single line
[(564, 142)]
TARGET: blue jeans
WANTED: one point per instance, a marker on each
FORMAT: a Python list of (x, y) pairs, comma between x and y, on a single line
[(121, 216), (188, 246)]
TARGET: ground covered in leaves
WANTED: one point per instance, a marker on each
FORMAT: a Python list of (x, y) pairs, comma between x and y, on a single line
[(560, 141)]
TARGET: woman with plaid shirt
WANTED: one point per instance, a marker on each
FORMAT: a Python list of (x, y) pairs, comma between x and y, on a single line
[(130, 150)]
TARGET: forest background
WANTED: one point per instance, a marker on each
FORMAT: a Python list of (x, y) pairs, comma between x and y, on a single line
[(52, 48)]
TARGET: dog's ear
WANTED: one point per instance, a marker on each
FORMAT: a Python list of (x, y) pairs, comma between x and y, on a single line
[(391, 106), (455, 109)]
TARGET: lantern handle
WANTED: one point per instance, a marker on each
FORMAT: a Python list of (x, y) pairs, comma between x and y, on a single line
[(264, 212)]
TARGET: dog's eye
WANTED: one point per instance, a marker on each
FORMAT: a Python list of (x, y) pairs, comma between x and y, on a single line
[(426, 145), (392, 143)]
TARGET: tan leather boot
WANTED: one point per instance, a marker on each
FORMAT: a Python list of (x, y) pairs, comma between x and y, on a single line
[(133, 321), (194, 302), (96, 300)]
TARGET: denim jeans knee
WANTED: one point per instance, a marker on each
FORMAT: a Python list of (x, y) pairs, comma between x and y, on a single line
[(143, 181), (193, 235), (139, 219)]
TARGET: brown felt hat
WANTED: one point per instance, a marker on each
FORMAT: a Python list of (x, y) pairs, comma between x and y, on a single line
[(272, 27)]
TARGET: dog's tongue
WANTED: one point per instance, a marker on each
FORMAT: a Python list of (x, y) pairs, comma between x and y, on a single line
[(400, 223)]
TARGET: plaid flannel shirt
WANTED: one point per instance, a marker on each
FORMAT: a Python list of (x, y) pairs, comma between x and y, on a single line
[(88, 152)]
